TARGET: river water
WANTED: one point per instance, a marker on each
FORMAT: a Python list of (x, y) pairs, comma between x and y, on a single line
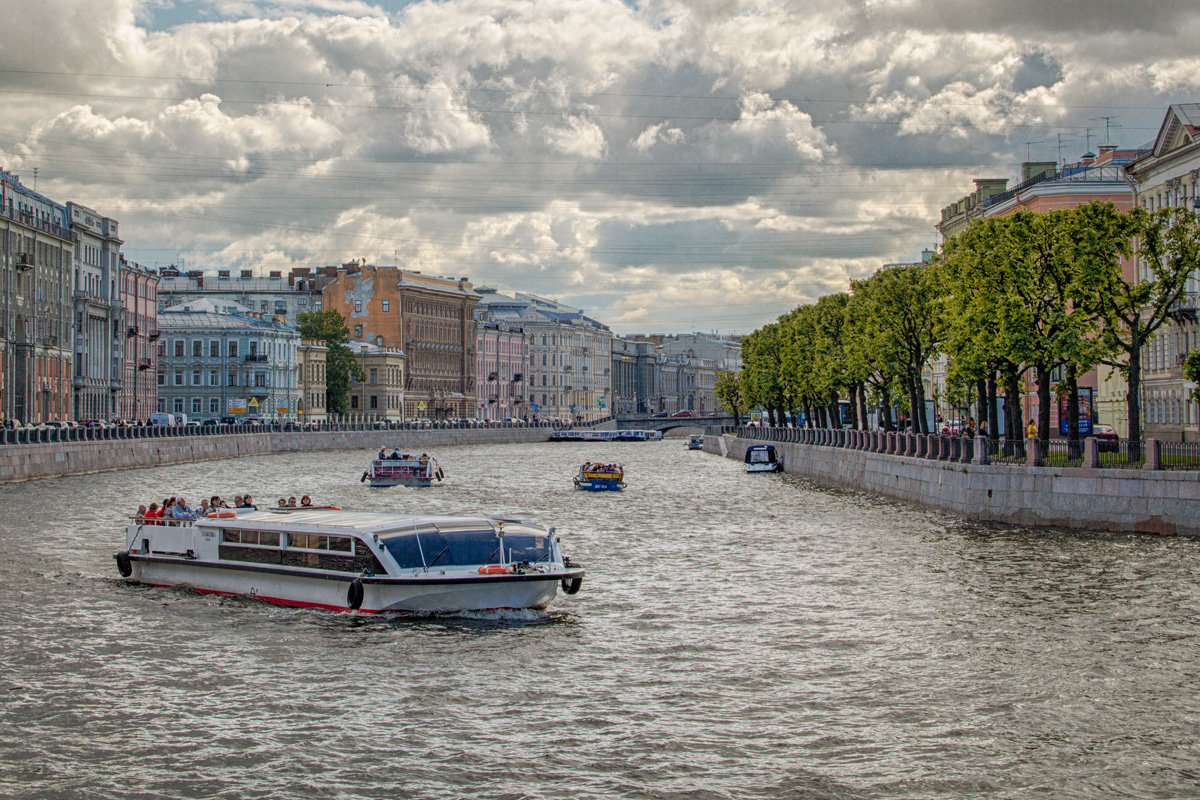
[(737, 636)]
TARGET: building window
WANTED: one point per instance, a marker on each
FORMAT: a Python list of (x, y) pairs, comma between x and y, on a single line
[(372, 375), (232, 379), (260, 379), (178, 405), (374, 401), (195, 405), (214, 349), (358, 306), (197, 349), (354, 401), (214, 405), (179, 379), (214, 378), (233, 349), (162, 379), (179, 348), (386, 306), (358, 331), (196, 378)]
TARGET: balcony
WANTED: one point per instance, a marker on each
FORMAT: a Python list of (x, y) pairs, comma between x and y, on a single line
[(132, 332), (259, 391), (153, 336), (255, 358), (24, 261)]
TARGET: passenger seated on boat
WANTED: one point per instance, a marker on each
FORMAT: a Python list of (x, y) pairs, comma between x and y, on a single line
[(141, 512), (248, 502), (283, 502), (153, 512), (382, 453), (396, 454), (204, 507), (181, 510), (167, 507), (237, 501), (306, 502), (217, 502), (291, 502)]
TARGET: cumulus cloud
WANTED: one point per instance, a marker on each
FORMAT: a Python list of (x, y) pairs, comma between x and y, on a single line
[(666, 165)]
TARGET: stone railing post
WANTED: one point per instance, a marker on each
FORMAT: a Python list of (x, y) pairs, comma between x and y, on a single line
[(1033, 452), (1153, 454), (981, 457), (1091, 453)]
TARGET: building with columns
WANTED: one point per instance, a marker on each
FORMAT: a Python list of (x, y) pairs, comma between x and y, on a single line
[(311, 382), (100, 328), (37, 252), (380, 393), (1169, 177)]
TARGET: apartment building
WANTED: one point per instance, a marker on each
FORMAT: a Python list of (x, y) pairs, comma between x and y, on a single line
[(37, 252)]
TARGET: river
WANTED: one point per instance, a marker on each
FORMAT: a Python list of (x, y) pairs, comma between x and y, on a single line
[(737, 636)]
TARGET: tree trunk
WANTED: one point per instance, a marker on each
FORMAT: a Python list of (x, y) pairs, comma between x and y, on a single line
[(1014, 432), (912, 402), (855, 388), (1072, 412), (1043, 394), (835, 411), (862, 406), (1134, 396), (920, 420), (981, 403), (993, 408), (885, 398)]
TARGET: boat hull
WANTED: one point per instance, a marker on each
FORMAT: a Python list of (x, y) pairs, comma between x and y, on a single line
[(599, 485), (430, 592), (384, 483), (763, 467)]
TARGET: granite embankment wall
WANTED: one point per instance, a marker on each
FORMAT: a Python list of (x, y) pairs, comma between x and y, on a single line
[(1143, 501), (52, 459)]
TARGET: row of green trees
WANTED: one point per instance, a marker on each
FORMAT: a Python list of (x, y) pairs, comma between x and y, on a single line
[(1034, 294), (329, 328)]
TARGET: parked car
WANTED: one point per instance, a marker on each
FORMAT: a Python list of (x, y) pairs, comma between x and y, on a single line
[(229, 420), (660, 414), (684, 413), (1107, 440), (209, 422)]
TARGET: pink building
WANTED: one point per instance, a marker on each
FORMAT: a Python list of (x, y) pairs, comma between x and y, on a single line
[(501, 361), (1043, 189), (138, 397)]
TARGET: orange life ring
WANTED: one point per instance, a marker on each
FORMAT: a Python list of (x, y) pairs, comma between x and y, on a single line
[(493, 569), (223, 515)]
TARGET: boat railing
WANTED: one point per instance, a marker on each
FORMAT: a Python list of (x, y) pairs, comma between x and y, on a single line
[(170, 522)]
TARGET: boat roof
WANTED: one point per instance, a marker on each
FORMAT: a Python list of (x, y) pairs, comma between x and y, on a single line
[(761, 447), (363, 522)]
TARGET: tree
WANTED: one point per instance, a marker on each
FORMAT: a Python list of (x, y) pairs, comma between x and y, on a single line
[(729, 393), (762, 370), (329, 328), (1167, 245)]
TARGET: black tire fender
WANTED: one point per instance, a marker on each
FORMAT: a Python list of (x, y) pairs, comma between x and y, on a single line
[(124, 564), (354, 595), (571, 585)]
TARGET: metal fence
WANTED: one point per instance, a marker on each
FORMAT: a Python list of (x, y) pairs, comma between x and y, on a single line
[(1049, 452), (50, 434)]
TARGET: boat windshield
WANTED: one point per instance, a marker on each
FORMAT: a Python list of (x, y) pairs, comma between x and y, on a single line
[(760, 457), (433, 548)]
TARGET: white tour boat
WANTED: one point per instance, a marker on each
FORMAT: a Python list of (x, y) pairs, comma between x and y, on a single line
[(354, 561), (402, 469)]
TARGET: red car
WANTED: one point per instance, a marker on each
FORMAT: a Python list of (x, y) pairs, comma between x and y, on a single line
[(683, 413), (1107, 440)]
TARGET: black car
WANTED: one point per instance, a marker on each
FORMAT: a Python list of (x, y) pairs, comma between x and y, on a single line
[(208, 422), (229, 420)]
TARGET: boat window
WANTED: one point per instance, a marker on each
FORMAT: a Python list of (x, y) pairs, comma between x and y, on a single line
[(404, 549), (319, 541), (450, 548), (260, 538), (524, 547)]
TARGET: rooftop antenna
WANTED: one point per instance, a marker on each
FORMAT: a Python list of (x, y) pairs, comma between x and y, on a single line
[(35, 169), (1108, 123), (1060, 141), (1027, 156)]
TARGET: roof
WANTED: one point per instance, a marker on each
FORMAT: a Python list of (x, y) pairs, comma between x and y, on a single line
[(363, 522), (206, 312)]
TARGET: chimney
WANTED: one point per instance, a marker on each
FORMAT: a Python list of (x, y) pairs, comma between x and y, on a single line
[(246, 275)]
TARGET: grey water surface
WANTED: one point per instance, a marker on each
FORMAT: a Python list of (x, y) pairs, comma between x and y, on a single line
[(737, 636)]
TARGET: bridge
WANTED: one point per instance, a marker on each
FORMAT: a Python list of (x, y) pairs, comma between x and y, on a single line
[(648, 422)]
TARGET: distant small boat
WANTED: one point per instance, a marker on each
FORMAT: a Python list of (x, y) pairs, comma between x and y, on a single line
[(762, 458), (695, 442), (594, 477), (402, 469)]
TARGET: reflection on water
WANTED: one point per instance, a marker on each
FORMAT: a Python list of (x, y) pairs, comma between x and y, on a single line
[(737, 636)]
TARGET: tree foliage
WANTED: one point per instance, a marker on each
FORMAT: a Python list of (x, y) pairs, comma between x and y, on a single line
[(329, 328)]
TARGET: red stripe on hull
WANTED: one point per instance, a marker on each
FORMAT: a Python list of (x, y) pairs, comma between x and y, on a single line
[(279, 601)]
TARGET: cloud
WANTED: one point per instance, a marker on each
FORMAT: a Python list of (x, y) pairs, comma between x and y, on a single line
[(661, 164)]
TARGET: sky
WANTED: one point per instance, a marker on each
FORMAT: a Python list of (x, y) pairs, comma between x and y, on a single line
[(666, 166)]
